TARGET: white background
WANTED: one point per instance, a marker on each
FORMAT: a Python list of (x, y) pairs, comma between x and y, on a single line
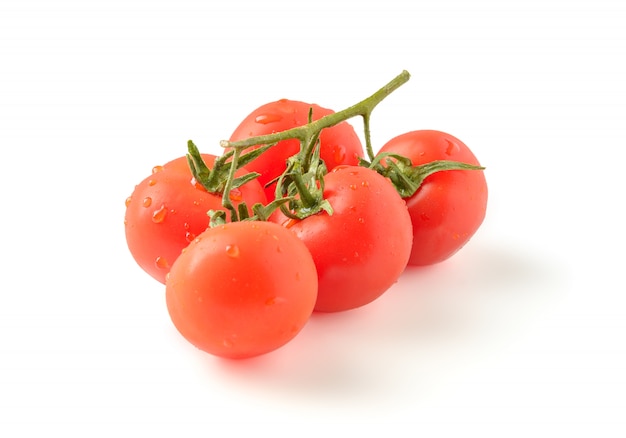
[(522, 333)]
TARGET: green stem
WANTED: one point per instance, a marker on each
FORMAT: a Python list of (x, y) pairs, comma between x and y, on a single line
[(368, 139), (226, 201), (306, 132)]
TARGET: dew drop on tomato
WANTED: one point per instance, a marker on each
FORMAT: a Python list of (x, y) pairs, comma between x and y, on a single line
[(266, 119), (162, 263), (339, 154), (189, 237), (147, 201), (235, 195), (228, 343), (159, 215), (152, 182), (452, 148), (128, 200), (156, 169), (232, 251), (197, 185)]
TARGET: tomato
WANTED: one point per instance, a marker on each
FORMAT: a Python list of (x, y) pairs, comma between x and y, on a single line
[(449, 206), (363, 247), (242, 289), (339, 144), (168, 209)]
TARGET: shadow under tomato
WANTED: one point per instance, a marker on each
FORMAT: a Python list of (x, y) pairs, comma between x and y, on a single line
[(434, 322)]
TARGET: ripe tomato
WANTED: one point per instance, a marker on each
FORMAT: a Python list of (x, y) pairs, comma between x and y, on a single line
[(168, 209), (363, 247), (449, 206), (339, 144), (242, 289)]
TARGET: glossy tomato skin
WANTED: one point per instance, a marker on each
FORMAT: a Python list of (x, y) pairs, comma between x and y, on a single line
[(242, 289), (339, 145), (450, 206), (363, 247), (168, 209)]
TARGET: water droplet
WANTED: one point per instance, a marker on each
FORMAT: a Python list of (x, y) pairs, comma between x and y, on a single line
[(452, 148), (365, 184), (352, 186), (265, 119), (228, 343), (189, 237), (361, 220), (127, 202), (197, 185), (232, 251), (159, 215), (235, 195), (151, 182), (339, 154), (290, 223), (147, 201), (156, 169), (161, 263)]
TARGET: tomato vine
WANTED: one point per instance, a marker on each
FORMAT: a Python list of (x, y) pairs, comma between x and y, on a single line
[(300, 187)]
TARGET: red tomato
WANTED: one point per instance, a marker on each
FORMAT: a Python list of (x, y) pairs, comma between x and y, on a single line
[(449, 206), (339, 145), (363, 247), (168, 209), (242, 289)]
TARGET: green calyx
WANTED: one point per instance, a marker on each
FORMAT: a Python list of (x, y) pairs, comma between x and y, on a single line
[(215, 180), (407, 178)]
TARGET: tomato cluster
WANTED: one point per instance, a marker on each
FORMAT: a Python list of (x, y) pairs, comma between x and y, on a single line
[(296, 217)]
